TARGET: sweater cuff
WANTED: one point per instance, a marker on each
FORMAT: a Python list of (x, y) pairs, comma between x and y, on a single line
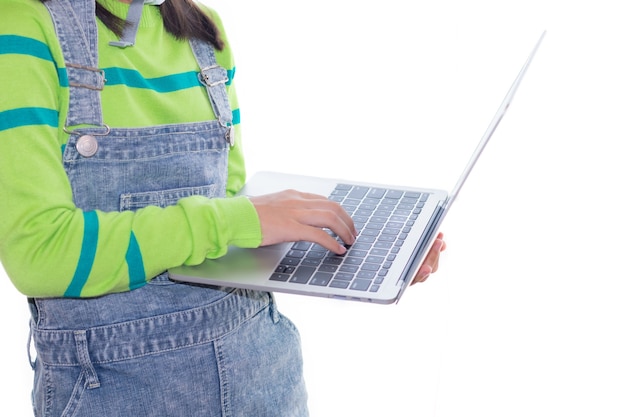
[(215, 224), (245, 226)]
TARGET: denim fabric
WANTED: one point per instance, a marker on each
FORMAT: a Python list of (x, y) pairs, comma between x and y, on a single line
[(166, 348), (233, 355)]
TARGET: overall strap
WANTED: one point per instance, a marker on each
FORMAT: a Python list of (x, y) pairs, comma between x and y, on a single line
[(214, 78), (132, 25), (75, 25)]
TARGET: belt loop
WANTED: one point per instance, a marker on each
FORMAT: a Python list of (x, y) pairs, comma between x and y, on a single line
[(29, 344), (80, 336)]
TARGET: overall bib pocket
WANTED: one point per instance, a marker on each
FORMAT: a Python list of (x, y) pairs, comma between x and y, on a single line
[(163, 198)]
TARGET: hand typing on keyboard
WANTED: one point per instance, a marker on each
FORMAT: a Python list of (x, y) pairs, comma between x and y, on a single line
[(321, 226), (290, 216)]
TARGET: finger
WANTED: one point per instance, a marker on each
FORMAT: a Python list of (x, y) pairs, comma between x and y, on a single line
[(315, 201), (340, 225), (422, 274), (294, 216), (431, 262), (322, 238)]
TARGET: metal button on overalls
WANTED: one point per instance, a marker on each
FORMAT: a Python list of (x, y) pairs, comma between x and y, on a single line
[(87, 146)]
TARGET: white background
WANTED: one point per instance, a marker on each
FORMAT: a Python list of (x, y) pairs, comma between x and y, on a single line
[(526, 315)]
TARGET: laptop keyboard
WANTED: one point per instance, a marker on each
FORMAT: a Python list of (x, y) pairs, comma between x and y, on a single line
[(383, 218)]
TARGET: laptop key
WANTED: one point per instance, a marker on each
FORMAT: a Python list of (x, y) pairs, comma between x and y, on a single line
[(352, 261), (357, 253), (333, 260), (302, 274), (394, 194), (302, 245), (366, 274), (311, 262), (375, 259), (358, 192), (327, 268), (377, 193), (360, 285), (284, 269), (344, 276), (279, 277), (296, 253), (339, 284), (379, 252), (349, 269), (290, 261), (321, 279)]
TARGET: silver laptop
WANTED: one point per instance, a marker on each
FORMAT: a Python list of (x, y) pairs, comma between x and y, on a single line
[(397, 226)]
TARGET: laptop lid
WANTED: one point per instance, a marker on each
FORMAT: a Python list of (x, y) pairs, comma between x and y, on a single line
[(506, 102), (254, 268)]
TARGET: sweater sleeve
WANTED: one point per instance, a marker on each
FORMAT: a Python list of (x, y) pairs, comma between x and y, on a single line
[(48, 246)]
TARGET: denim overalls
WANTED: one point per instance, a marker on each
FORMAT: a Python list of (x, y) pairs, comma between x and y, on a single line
[(165, 348)]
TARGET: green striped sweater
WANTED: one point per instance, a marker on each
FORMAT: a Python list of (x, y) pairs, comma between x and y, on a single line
[(43, 236)]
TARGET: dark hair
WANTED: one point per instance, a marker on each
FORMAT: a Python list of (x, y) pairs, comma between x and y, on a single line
[(181, 18)]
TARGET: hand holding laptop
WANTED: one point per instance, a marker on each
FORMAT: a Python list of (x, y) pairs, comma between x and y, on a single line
[(290, 215), (431, 262)]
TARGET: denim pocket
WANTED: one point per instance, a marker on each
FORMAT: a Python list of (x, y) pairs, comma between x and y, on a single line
[(61, 390), (164, 198)]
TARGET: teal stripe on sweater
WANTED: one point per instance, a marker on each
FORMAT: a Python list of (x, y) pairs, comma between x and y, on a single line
[(134, 261), (13, 44), (167, 84), (28, 116), (231, 75), (236, 117), (87, 255), (20, 45)]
